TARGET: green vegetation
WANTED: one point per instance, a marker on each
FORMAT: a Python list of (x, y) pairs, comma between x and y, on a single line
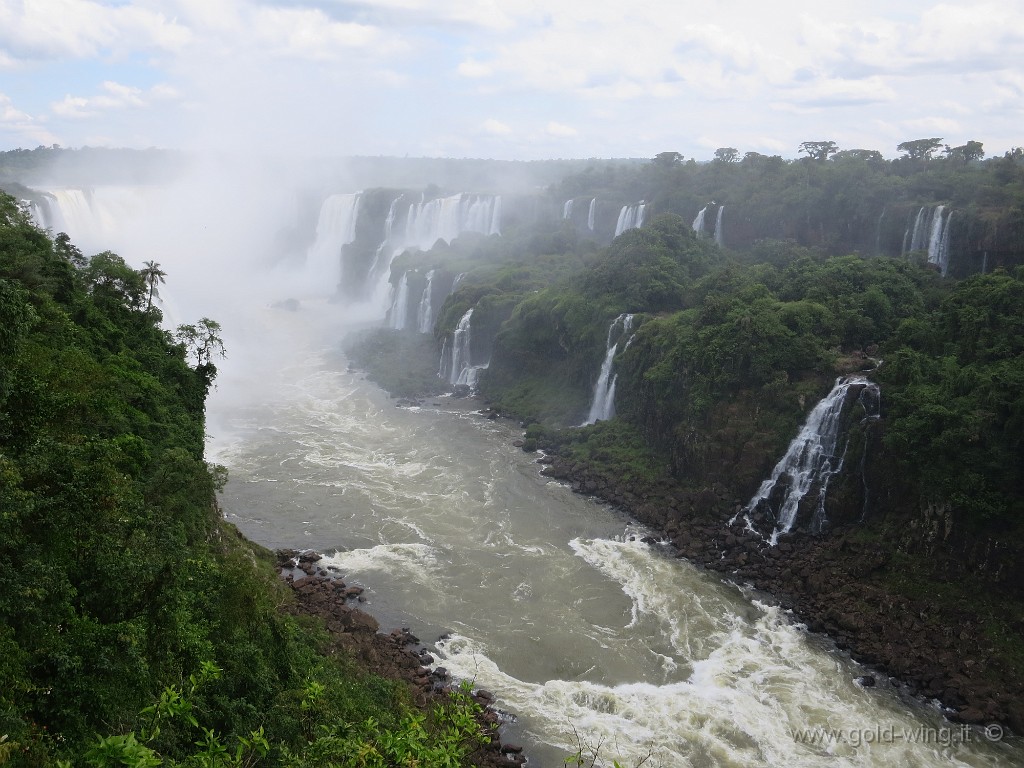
[(136, 626)]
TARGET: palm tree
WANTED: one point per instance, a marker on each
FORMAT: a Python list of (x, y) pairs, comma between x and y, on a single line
[(153, 276)]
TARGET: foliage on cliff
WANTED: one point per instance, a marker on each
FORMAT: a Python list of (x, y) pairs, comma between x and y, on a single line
[(119, 581)]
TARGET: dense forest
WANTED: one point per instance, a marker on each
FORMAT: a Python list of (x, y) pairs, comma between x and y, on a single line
[(137, 627)]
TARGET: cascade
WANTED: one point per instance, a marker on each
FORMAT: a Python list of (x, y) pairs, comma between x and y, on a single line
[(567, 209), (630, 217), (590, 214), (698, 223), (426, 314), (461, 370), (400, 306), (814, 456), (427, 221), (719, 241), (379, 267), (35, 212), (602, 407), (915, 234), (878, 232), (335, 228), (938, 240)]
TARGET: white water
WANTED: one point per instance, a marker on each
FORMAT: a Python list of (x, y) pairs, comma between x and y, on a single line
[(550, 600), (457, 365), (930, 233), (602, 405), (812, 457), (719, 234), (335, 228), (567, 209), (425, 316), (630, 217), (590, 214), (400, 307), (698, 222)]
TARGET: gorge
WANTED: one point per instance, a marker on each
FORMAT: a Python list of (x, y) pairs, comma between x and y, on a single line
[(696, 374)]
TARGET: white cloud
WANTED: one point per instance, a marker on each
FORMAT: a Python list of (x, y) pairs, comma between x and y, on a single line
[(496, 127), (114, 96), (21, 126), (561, 130), (46, 29), (473, 68)]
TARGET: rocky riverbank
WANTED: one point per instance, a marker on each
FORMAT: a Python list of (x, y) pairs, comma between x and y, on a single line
[(835, 585), (396, 654)]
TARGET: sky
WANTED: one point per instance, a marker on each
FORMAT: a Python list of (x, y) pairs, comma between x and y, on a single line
[(510, 79)]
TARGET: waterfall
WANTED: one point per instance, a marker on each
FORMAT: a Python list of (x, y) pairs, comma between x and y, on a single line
[(426, 313), (602, 407), (35, 213), (630, 217), (812, 457), (445, 218), (930, 233), (381, 254), (461, 370), (938, 240), (400, 306), (335, 228), (567, 209), (912, 237), (421, 225), (878, 233), (590, 214), (719, 240), (698, 223)]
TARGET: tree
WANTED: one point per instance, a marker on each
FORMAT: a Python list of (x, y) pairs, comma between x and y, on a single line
[(202, 341), (971, 151), (870, 155), (153, 276), (667, 159), (919, 149), (727, 154), (819, 150)]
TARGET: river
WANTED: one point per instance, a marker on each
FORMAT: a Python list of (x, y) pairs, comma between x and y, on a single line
[(548, 599)]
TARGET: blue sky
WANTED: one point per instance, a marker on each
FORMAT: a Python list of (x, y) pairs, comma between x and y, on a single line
[(510, 79)]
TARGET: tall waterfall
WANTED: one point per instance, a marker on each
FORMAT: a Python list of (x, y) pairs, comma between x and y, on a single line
[(630, 217), (567, 209), (719, 237), (445, 218), (698, 223), (590, 214), (930, 232), (400, 306), (335, 228), (602, 406), (938, 241), (427, 221), (426, 312), (814, 455), (458, 368)]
